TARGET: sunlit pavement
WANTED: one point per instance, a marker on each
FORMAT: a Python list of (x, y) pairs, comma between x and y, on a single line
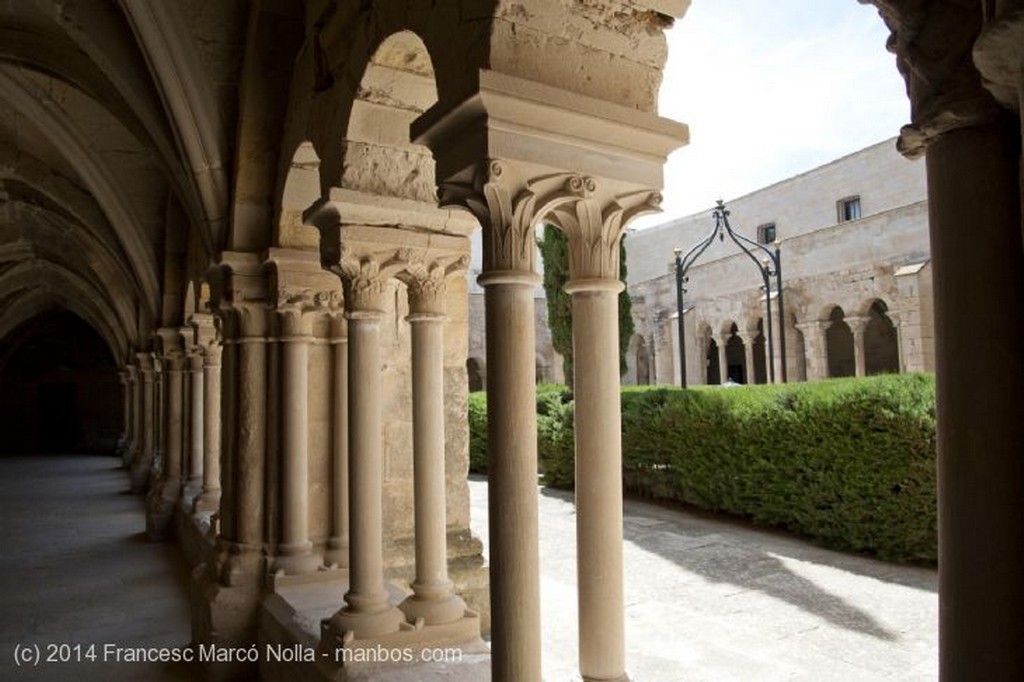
[(709, 599)]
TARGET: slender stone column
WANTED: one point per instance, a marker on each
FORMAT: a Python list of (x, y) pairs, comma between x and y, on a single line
[(157, 465), (122, 440), (858, 325), (432, 598), (594, 223), (144, 460), (209, 499), (295, 552), (723, 358), (131, 447), (337, 543), (750, 376), (174, 374), (250, 426), (367, 611), (196, 409)]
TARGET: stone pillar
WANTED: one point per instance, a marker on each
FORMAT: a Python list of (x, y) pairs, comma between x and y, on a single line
[(209, 500), (858, 325), (594, 223), (723, 358), (748, 349), (131, 446), (295, 551), (815, 348), (194, 484), (367, 612), (432, 600), (337, 544), (974, 190), (157, 465), (144, 460), (122, 440), (166, 494)]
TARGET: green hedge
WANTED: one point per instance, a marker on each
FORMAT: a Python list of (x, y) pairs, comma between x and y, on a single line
[(850, 462)]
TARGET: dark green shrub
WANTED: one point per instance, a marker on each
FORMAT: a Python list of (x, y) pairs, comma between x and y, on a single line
[(850, 461)]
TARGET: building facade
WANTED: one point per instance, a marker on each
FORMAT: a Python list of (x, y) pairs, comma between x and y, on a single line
[(857, 280)]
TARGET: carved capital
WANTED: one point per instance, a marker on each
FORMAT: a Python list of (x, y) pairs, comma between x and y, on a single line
[(296, 308), (365, 279), (932, 41), (212, 354), (505, 207), (427, 279)]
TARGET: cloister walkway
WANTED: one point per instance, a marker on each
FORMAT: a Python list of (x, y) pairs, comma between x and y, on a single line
[(76, 569), (706, 599), (718, 601)]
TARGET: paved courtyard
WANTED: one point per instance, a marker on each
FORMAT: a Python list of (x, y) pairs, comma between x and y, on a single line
[(712, 600)]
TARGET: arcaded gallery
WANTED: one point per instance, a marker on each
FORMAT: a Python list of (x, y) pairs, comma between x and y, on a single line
[(234, 242)]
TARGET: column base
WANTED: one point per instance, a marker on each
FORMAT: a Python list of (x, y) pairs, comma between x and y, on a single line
[(226, 617), (298, 563), (336, 555), (140, 473), (433, 611), (208, 502), (346, 625), (161, 504), (624, 677)]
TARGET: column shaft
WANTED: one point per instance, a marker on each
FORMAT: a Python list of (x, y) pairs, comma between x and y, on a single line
[(250, 440), (974, 215), (144, 459), (295, 551), (723, 359), (432, 599), (195, 468), (512, 478), (598, 430), (209, 500), (337, 544), (173, 426)]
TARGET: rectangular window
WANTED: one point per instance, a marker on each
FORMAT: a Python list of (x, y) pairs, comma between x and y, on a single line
[(766, 233), (848, 209)]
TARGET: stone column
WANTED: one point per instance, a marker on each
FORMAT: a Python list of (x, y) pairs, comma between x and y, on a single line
[(131, 446), (337, 544), (748, 350), (723, 358), (432, 600), (166, 492), (295, 551), (209, 499), (367, 611), (157, 465), (815, 348), (507, 217), (858, 325), (250, 444), (122, 440), (196, 416), (144, 460), (594, 223), (974, 208)]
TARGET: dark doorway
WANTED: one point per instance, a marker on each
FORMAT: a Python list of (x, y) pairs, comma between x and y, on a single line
[(57, 418)]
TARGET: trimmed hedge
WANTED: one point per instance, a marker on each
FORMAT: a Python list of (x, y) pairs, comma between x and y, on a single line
[(850, 462)]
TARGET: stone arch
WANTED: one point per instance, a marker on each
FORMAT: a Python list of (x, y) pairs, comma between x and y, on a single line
[(839, 345), (881, 340), (713, 371), (476, 374)]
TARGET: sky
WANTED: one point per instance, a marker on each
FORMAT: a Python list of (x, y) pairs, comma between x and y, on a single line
[(771, 89)]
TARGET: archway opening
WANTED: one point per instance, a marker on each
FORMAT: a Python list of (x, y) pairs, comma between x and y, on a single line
[(760, 348), (881, 345), (714, 370), (61, 392), (735, 357), (839, 345)]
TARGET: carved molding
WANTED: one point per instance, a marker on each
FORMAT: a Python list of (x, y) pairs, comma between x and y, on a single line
[(365, 279), (933, 41)]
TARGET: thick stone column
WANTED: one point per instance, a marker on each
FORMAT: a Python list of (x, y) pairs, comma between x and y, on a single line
[(144, 460), (858, 326), (209, 500), (974, 190), (166, 494), (723, 358), (295, 551), (815, 348), (337, 544), (367, 612), (432, 600), (594, 221)]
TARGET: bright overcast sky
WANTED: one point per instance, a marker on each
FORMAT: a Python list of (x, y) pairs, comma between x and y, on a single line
[(771, 89)]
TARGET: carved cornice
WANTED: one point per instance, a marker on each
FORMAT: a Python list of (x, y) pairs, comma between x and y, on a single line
[(932, 41)]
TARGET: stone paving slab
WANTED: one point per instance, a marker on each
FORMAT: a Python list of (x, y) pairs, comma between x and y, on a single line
[(708, 599)]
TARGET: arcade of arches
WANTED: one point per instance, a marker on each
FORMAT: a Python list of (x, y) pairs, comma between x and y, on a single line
[(256, 215)]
